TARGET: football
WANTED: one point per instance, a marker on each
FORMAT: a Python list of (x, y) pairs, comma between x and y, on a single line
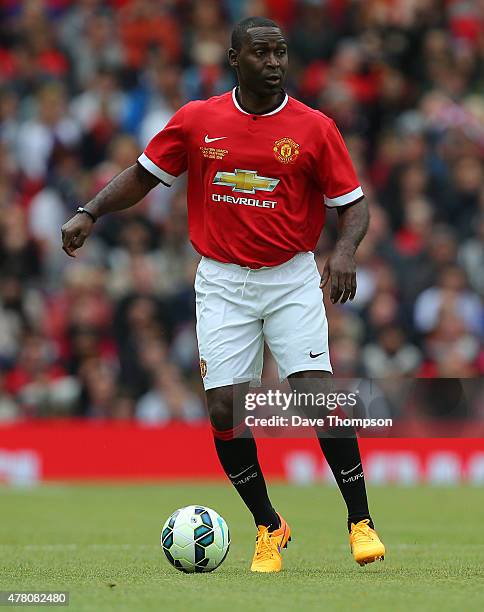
[(195, 539)]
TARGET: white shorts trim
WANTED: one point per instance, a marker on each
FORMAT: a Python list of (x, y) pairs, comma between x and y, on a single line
[(307, 367)]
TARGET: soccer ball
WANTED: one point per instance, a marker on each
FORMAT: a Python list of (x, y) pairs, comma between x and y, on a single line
[(195, 539)]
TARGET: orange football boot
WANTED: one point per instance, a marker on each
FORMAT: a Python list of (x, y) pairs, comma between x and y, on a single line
[(365, 544), (268, 546)]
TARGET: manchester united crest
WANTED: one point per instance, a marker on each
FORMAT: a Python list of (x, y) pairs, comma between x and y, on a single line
[(203, 368), (286, 150)]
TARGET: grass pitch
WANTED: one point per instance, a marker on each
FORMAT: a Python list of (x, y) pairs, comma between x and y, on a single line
[(101, 543)]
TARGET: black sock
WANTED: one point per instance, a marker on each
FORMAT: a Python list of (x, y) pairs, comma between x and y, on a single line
[(343, 457), (238, 456)]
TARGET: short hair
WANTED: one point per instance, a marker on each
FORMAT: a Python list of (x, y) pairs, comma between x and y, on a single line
[(240, 29)]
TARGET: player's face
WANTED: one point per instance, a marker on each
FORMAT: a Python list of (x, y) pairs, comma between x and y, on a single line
[(262, 60)]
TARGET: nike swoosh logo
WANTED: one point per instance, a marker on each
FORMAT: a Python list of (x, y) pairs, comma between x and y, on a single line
[(207, 139), (349, 471), (317, 354), (242, 472)]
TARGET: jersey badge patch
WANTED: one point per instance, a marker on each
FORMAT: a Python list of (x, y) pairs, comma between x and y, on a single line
[(286, 150)]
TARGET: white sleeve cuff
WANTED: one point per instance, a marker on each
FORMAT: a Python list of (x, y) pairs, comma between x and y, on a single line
[(167, 179), (347, 198)]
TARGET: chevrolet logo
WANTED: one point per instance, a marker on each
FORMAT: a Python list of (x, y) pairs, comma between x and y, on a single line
[(246, 181)]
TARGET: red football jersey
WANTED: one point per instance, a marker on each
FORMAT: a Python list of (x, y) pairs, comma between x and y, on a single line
[(255, 182)]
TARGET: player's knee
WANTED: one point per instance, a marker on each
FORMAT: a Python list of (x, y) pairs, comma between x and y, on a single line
[(220, 408)]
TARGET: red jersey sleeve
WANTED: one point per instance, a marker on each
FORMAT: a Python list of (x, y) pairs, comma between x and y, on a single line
[(166, 156), (336, 173)]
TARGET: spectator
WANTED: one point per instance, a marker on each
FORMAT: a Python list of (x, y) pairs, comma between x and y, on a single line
[(471, 256), (37, 381), (94, 46), (8, 408), (451, 292), (451, 351), (169, 399), (391, 356), (18, 253), (38, 136), (99, 393)]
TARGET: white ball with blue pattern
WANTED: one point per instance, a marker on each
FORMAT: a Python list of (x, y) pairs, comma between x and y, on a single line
[(195, 539)]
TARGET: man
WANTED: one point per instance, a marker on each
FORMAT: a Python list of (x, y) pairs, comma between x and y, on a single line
[(259, 164)]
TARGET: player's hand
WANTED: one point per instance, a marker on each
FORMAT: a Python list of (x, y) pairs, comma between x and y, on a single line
[(74, 233), (341, 269)]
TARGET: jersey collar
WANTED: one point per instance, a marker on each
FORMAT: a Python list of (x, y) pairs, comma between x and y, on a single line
[(276, 110)]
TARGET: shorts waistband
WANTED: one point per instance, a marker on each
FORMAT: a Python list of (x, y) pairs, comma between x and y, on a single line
[(236, 267)]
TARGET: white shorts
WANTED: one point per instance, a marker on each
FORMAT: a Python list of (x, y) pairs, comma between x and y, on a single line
[(238, 308)]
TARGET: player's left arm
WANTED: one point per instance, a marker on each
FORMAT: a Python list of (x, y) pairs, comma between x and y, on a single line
[(341, 188), (340, 267)]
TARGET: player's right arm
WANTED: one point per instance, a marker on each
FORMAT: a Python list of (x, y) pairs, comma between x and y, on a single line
[(163, 160), (125, 190)]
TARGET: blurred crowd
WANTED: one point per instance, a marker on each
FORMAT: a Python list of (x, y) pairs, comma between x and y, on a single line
[(84, 85)]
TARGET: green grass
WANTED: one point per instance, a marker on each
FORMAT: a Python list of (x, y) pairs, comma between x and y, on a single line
[(102, 544)]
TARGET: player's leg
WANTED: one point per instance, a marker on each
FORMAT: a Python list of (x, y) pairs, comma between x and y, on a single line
[(340, 450), (230, 340), (342, 453), (296, 331), (237, 453)]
